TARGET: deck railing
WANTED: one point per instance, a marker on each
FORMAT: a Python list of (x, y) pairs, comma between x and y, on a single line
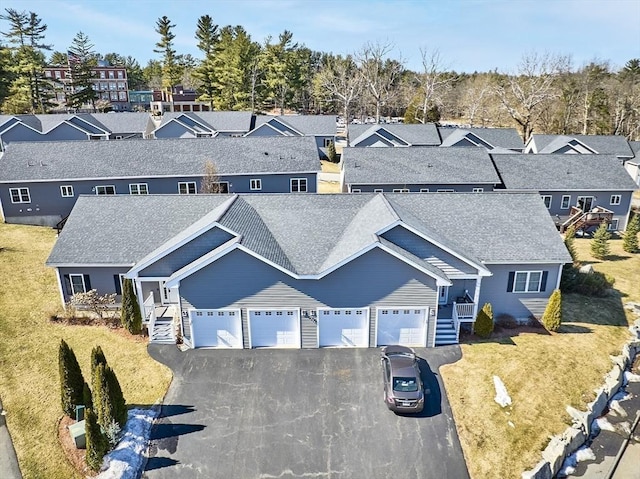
[(463, 310), (149, 307)]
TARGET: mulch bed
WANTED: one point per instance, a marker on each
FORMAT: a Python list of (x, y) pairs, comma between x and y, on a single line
[(74, 456)]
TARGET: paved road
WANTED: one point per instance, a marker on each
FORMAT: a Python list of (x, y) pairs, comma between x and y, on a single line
[(303, 413)]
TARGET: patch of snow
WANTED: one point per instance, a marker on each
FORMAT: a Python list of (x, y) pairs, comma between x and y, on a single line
[(569, 465), (502, 397), (127, 458), (629, 377), (511, 424), (614, 406), (603, 424)]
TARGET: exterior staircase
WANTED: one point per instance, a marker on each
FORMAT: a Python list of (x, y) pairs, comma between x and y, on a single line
[(162, 331), (446, 332)]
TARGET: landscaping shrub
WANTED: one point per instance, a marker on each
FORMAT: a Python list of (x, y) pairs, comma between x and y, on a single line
[(114, 393), (331, 152), (98, 304), (569, 242), (71, 380), (630, 237), (130, 315), (97, 444), (97, 357), (87, 398), (587, 284), (552, 317), (483, 326), (600, 243), (109, 403)]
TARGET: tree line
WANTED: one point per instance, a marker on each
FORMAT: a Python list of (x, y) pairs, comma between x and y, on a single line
[(546, 93)]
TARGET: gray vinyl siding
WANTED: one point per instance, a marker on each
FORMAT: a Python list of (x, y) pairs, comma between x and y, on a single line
[(65, 132), (602, 198), (21, 132), (376, 279), (416, 245), (48, 207), (187, 253), (520, 305), (173, 130), (374, 140), (102, 279), (415, 188)]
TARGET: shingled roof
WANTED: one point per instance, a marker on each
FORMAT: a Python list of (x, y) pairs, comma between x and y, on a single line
[(413, 134), (309, 234), (494, 137), (599, 144), (152, 158), (563, 172), (418, 165)]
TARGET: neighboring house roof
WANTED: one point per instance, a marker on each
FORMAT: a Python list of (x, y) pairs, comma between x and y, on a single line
[(46, 161), (397, 134), (419, 165), (133, 122), (225, 121), (635, 147), (485, 137), (595, 144), (563, 172), (303, 235), (293, 125)]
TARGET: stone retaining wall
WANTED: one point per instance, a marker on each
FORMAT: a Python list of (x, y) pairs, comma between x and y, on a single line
[(573, 437)]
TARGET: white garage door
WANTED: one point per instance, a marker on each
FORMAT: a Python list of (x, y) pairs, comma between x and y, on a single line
[(343, 327), (274, 328), (401, 326), (216, 328)]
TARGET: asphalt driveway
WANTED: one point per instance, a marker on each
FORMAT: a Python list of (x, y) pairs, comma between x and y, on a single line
[(298, 413)]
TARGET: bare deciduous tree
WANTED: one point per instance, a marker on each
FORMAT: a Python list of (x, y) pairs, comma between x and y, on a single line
[(432, 82), (210, 180), (526, 94)]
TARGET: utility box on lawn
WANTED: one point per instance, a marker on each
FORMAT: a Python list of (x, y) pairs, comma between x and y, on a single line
[(77, 434)]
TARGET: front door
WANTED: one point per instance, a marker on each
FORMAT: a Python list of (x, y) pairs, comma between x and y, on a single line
[(443, 294), (585, 203), (168, 296)]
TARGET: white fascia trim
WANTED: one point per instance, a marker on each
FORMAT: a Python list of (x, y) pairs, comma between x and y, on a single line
[(205, 127), (198, 264), (19, 122), (399, 138), (533, 261), (268, 126), (286, 125), (481, 269), (86, 123), (60, 290), (65, 122), (165, 250), (583, 144)]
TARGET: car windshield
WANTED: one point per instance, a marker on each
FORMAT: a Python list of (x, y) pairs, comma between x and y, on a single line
[(405, 384)]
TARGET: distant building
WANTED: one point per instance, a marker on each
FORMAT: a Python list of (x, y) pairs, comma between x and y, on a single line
[(179, 99), (140, 99), (109, 82)]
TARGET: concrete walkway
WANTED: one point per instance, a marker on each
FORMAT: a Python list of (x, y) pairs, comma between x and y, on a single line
[(9, 468)]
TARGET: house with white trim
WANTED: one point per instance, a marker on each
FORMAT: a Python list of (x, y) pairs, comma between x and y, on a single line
[(308, 271)]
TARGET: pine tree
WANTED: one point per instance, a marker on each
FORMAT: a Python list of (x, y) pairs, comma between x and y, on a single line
[(81, 61), (130, 315), (331, 153), (97, 357), (171, 70), (552, 317), (483, 325), (116, 398), (87, 398), (600, 242), (97, 444), (630, 237), (569, 242), (208, 37), (71, 380)]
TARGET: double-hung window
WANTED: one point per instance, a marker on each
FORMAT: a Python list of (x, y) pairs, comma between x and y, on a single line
[(187, 187), (615, 200), (547, 200), (478, 190), (105, 190), (566, 201), (77, 283), (20, 195), (66, 191), (138, 189), (527, 281), (298, 185), (255, 184)]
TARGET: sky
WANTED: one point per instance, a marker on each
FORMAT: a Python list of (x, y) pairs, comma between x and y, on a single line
[(470, 35)]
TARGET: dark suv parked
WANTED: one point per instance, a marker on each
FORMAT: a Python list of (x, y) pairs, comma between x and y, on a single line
[(403, 388)]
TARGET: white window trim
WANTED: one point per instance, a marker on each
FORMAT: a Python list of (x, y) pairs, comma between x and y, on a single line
[(138, 186), (356, 190), (21, 192), (615, 200), (84, 286), (566, 198), (66, 191), (187, 183), (378, 190), (445, 190), (98, 187), (526, 285), (299, 181), (544, 197), (424, 190), (255, 184), (401, 190), (613, 226), (477, 190)]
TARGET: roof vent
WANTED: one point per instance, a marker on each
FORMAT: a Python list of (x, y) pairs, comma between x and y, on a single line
[(31, 163), (266, 153)]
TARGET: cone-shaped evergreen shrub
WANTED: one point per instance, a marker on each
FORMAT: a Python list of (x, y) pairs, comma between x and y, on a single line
[(109, 403), (483, 326), (630, 238), (71, 380), (331, 152), (97, 357), (569, 242), (116, 398), (600, 242), (552, 317), (97, 443), (130, 315)]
